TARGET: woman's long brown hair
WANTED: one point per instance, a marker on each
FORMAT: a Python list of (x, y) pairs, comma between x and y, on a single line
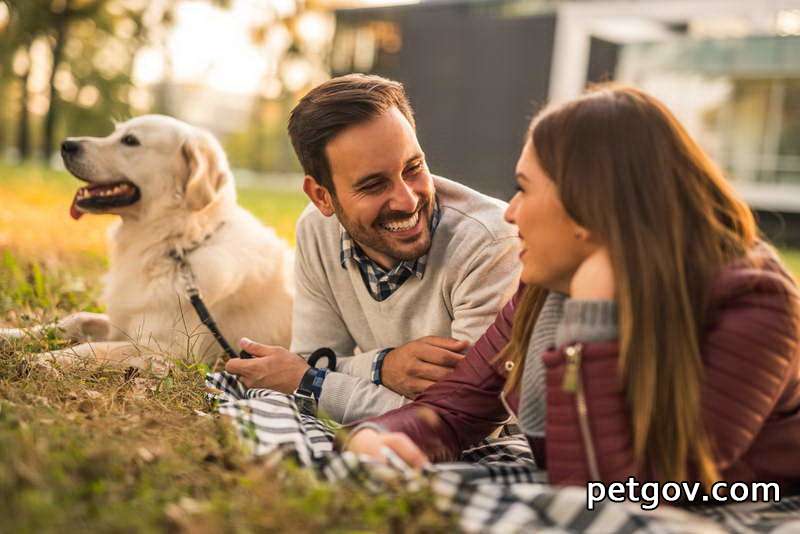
[(627, 171)]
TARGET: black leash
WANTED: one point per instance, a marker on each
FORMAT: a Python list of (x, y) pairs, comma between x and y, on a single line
[(205, 316), (206, 319), (197, 302), (324, 352)]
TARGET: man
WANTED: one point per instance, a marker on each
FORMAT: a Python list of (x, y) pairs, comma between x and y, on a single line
[(410, 271)]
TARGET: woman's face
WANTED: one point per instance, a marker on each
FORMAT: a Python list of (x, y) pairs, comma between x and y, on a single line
[(553, 245)]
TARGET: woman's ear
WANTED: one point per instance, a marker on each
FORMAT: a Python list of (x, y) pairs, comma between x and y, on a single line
[(319, 195), (208, 171), (582, 234)]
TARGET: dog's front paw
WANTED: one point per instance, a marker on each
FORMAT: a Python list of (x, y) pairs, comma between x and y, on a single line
[(52, 362), (86, 326)]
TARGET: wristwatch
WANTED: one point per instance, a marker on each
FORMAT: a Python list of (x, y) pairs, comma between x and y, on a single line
[(306, 395)]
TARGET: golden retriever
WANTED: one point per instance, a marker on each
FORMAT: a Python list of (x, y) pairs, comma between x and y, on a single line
[(172, 188)]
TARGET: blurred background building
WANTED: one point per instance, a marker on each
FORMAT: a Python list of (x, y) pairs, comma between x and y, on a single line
[(476, 71)]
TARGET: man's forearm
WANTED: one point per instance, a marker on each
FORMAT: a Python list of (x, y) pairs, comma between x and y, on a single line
[(359, 365), (346, 398)]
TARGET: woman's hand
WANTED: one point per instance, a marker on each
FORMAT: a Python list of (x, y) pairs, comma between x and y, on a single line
[(379, 445), (594, 278)]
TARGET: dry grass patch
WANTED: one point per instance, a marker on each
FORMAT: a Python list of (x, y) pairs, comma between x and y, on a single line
[(111, 451)]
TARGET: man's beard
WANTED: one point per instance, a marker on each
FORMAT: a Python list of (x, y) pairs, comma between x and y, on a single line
[(378, 238)]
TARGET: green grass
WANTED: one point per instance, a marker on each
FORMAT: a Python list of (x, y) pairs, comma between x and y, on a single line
[(277, 207), (792, 259), (106, 451), (103, 451)]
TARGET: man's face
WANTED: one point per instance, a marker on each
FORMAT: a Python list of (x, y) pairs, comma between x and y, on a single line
[(384, 193)]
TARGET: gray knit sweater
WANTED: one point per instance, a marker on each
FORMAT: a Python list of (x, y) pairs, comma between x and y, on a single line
[(562, 320), (471, 272)]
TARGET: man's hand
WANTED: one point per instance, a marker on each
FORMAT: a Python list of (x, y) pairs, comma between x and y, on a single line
[(376, 445), (412, 368), (272, 367)]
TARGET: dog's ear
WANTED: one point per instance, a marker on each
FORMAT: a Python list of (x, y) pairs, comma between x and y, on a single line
[(208, 170)]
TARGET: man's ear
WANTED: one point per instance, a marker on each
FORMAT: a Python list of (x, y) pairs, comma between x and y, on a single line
[(319, 195), (208, 171)]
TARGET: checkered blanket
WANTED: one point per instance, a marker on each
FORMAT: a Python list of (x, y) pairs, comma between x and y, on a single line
[(496, 487)]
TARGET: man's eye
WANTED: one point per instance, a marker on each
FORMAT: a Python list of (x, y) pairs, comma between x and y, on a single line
[(414, 169), (130, 140), (374, 187)]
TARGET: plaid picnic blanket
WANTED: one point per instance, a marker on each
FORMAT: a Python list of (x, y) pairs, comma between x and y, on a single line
[(496, 487)]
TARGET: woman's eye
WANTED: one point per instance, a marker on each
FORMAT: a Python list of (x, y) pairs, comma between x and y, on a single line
[(130, 140)]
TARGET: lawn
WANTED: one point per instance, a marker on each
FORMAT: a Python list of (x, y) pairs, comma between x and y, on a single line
[(792, 259), (107, 451)]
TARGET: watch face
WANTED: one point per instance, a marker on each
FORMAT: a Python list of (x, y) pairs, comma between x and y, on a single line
[(305, 403)]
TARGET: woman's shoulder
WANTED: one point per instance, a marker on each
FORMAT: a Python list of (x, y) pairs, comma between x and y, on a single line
[(755, 310), (762, 273)]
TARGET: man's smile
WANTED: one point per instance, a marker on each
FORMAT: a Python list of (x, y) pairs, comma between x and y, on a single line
[(402, 225)]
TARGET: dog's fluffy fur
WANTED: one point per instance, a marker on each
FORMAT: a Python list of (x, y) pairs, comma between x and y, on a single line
[(186, 201)]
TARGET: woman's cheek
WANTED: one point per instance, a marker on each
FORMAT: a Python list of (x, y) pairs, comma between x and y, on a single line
[(531, 267)]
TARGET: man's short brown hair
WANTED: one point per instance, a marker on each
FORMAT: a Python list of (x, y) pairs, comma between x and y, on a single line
[(335, 105)]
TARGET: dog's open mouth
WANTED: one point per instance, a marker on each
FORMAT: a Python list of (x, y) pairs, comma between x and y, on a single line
[(100, 197)]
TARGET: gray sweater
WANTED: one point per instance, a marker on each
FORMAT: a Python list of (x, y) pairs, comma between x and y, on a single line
[(562, 320), (471, 272)]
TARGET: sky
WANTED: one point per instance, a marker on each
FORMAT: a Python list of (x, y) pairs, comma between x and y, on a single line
[(212, 46)]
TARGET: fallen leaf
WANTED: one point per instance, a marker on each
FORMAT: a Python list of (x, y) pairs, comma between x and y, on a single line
[(146, 454), (213, 390)]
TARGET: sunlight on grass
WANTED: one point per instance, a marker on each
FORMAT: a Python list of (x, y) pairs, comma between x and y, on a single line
[(99, 450), (35, 221), (106, 451), (792, 259)]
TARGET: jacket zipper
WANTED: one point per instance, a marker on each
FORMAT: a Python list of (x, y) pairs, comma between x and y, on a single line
[(572, 383)]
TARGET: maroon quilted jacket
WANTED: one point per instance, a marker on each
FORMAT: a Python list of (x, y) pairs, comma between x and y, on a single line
[(750, 392)]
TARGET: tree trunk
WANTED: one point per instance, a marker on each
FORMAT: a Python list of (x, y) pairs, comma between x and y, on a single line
[(62, 31), (3, 113), (23, 134)]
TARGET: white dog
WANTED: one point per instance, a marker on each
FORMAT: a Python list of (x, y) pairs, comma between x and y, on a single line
[(172, 188)]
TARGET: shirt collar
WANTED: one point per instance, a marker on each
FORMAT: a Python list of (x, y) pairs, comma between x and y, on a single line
[(350, 250)]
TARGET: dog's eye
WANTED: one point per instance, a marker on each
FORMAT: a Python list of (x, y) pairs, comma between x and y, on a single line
[(130, 140)]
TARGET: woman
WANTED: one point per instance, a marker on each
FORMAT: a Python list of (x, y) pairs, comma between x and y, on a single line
[(654, 336)]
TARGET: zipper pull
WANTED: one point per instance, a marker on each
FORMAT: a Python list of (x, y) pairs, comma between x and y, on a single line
[(573, 357)]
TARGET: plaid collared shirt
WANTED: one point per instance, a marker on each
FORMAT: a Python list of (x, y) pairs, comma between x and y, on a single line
[(380, 282)]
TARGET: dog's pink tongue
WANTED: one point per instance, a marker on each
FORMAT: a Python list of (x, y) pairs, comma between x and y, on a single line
[(74, 212)]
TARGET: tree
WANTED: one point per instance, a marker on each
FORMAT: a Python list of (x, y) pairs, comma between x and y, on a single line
[(92, 45)]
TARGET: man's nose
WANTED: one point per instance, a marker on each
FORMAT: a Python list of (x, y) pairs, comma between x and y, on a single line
[(70, 147), (403, 198)]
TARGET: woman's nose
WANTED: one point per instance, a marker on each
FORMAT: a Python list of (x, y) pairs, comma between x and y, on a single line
[(509, 214)]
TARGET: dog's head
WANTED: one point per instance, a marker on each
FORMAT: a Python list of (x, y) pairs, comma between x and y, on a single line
[(149, 165)]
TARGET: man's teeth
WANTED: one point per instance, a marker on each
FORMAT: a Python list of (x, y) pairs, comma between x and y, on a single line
[(405, 224)]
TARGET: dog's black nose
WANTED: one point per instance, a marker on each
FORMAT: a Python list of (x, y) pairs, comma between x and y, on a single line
[(70, 148)]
